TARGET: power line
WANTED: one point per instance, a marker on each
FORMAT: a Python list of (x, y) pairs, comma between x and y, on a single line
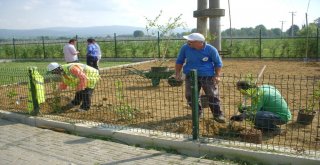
[(308, 6)]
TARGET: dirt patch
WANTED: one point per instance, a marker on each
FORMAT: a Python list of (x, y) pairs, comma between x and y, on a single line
[(129, 99)]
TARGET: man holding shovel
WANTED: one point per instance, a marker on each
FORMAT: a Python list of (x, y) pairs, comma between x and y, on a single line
[(268, 108)]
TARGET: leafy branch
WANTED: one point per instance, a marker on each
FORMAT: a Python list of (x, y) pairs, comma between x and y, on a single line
[(165, 30)]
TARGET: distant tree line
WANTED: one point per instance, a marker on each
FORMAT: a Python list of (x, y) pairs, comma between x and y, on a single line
[(294, 31), (251, 32)]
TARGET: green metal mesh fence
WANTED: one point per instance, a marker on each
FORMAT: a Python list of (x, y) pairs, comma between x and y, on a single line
[(128, 98)]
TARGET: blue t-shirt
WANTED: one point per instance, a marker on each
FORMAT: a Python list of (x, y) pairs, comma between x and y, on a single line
[(92, 50), (204, 60)]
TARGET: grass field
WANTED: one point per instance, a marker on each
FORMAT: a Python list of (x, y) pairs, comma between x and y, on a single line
[(43, 64), (14, 72)]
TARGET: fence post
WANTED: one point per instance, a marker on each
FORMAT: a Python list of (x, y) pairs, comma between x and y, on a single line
[(115, 45), (43, 47), (14, 48), (33, 94), (260, 44), (318, 45), (77, 42), (195, 104), (158, 44)]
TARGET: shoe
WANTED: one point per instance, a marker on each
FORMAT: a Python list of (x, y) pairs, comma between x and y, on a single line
[(270, 131), (275, 131), (240, 117), (219, 119), (201, 115), (81, 110), (68, 106)]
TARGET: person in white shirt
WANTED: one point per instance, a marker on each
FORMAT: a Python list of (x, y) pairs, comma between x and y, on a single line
[(70, 52)]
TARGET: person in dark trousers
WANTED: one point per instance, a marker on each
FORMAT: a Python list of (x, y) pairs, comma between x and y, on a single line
[(79, 76), (268, 108), (197, 54), (92, 54)]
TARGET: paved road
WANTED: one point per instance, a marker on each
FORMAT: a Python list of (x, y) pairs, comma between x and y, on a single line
[(26, 145)]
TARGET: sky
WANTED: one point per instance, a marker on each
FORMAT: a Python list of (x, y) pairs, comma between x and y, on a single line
[(35, 14)]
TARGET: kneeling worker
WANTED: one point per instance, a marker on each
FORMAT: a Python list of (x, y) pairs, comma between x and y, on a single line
[(79, 76), (268, 108)]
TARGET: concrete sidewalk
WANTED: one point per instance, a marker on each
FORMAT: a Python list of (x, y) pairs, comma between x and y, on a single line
[(23, 144)]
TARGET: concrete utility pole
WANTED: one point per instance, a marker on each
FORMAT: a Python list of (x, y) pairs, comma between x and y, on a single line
[(282, 28), (292, 14), (214, 13)]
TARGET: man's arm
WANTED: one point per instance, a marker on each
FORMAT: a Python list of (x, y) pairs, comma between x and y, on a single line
[(83, 79), (178, 69), (73, 50), (216, 77)]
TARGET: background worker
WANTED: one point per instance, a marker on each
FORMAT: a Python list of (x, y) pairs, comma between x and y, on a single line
[(79, 76), (197, 54), (98, 51), (92, 54), (268, 108), (70, 52)]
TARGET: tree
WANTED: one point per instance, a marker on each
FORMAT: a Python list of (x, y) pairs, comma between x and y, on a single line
[(317, 22), (153, 26), (138, 33), (295, 29), (263, 30), (276, 32), (311, 30), (194, 30)]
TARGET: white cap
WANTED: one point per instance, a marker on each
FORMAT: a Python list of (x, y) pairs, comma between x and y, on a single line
[(195, 37), (52, 66)]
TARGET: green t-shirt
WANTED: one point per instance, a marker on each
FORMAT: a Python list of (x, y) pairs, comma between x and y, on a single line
[(270, 99)]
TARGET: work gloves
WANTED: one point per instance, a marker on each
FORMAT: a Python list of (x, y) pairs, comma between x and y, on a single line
[(240, 117)]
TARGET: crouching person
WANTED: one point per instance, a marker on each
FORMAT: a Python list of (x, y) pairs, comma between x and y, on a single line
[(268, 108), (79, 76)]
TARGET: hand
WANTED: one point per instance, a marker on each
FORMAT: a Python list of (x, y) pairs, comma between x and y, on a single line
[(238, 117), (178, 76), (216, 79), (242, 109)]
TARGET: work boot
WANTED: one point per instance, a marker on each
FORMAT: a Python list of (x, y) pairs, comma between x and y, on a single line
[(219, 118), (201, 115), (68, 106), (273, 131)]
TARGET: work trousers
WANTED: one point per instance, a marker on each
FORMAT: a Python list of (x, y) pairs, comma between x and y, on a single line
[(211, 90), (83, 96)]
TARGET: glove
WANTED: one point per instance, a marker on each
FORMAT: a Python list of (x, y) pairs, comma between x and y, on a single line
[(243, 109), (240, 117)]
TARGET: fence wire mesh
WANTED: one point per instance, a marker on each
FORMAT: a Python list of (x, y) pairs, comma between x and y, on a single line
[(128, 98)]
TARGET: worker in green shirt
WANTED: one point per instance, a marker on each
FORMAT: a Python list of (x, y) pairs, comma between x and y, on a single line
[(268, 108)]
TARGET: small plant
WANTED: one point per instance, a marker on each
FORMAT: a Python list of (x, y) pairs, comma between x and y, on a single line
[(313, 101), (125, 111), (251, 93), (55, 103), (11, 94)]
